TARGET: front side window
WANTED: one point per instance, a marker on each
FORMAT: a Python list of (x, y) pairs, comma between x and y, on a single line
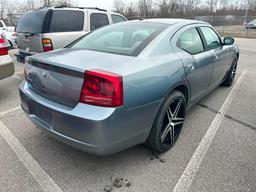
[(211, 37), (65, 21), (191, 42), (117, 18), (98, 20), (122, 39)]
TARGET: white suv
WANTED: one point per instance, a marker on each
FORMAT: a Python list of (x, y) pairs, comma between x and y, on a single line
[(47, 29)]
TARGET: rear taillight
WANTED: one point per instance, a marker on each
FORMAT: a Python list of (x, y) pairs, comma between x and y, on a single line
[(102, 88), (47, 44), (14, 34), (3, 46)]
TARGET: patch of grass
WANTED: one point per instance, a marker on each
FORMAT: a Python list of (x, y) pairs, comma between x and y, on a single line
[(236, 31)]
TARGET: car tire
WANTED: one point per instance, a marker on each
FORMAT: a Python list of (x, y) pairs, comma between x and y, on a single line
[(231, 75), (168, 123)]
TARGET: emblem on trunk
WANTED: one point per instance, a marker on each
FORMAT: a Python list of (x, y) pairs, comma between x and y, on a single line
[(44, 74)]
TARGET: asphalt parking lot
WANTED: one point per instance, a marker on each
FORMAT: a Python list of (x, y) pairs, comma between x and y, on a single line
[(215, 152)]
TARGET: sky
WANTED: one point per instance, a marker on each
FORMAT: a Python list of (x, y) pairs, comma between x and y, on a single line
[(104, 4)]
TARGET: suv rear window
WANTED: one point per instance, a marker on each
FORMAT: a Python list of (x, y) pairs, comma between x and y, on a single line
[(98, 20), (1, 25), (32, 22), (64, 21)]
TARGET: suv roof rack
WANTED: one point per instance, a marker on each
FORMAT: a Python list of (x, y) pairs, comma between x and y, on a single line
[(94, 8)]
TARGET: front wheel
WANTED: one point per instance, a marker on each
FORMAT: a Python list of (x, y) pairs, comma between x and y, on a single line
[(231, 75), (168, 123)]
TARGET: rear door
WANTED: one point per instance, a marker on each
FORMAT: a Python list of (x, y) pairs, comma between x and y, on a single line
[(29, 31), (197, 62), (66, 26), (220, 53)]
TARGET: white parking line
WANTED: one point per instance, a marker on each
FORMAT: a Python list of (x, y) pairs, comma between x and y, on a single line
[(9, 111), (185, 180), (17, 77), (43, 179), (18, 73)]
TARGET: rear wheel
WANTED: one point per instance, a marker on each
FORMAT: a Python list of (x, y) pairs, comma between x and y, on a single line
[(168, 123), (231, 74)]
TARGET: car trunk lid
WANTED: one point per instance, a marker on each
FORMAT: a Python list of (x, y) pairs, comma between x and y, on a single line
[(59, 75)]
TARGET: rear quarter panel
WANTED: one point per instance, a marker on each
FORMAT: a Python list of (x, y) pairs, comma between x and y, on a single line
[(150, 80), (153, 74)]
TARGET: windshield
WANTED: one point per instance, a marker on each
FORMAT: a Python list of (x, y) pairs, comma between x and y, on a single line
[(32, 22), (124, 39)]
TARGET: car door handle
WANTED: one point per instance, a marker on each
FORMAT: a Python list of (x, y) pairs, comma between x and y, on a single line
[(191, 67)]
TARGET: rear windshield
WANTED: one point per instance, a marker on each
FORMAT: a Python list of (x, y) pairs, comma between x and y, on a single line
[(65, 21), (32, 22), (124, 39)]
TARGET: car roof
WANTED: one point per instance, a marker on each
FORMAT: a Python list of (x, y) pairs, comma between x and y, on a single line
[(88, 9), (171, 21)]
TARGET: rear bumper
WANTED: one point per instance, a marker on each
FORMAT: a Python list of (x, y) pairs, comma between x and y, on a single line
[(22, 55), (6, 66), (95, 130)]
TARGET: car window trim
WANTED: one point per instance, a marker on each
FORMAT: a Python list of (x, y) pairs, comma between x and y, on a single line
[(204, 48), (205, 42)]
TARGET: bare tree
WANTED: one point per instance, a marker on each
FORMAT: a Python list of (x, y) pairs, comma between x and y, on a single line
[(145, 8), (3, 4), (119, 6), (212, 4), (49, 3), (131, 11), (164, 8)]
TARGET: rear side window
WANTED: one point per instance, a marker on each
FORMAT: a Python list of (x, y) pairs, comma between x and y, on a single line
[(65, 21), (117, 18), (32, 22), (98, 20), (1, 25), (211, 37), (191, 42)]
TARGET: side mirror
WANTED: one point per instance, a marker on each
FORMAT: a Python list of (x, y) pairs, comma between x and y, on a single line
[(228, 41)]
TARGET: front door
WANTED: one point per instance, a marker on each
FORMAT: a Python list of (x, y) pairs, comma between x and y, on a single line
[(219, 53), (197, 62)]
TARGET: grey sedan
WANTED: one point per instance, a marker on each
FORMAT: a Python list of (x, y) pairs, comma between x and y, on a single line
[(126, 84)]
